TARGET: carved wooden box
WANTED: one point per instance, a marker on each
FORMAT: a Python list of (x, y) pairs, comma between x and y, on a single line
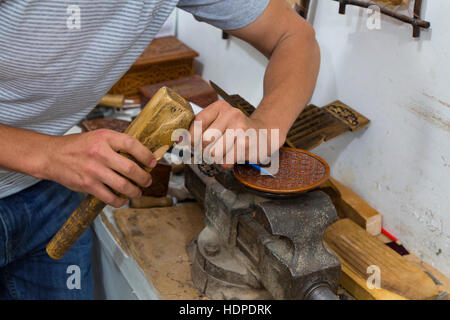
[(164, 59)]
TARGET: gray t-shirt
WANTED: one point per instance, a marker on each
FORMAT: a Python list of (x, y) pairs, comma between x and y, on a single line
[(59, 57)]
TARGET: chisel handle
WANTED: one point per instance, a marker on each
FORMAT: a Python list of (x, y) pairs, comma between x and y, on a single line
[(151, 202), (113, 100)]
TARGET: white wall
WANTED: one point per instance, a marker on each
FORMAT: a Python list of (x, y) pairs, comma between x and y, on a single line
[(232, 64), (401, 163)]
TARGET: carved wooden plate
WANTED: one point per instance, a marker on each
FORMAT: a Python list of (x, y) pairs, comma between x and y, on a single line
[(299, 171)]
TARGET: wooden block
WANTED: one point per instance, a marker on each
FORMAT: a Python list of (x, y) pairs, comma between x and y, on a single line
[(349, 205), (357, 287), (151, 202), (358, 250), (160, 180), (158, 240), (193, 89)]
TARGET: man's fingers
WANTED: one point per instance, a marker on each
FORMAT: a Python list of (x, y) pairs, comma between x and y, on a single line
[(209, 114), (128, 169), (217, 142), (233, 155), (104, 194), (130, 145), (214, 131), (115, 181), (206, 117), (229, 156), (120, 184)]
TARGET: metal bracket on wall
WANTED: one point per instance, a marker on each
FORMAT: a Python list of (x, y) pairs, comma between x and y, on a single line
[(415, 20)]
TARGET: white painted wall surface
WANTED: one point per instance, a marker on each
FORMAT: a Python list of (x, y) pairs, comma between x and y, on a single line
[(232, 64), (401, 163)]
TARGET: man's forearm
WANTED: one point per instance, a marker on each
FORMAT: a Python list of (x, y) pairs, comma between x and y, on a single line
[(290, 44), (86, 162), (23, 150), (289, 81)]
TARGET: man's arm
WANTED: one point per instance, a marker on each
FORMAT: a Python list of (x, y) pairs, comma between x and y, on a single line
[(86, 162), (289, 42)]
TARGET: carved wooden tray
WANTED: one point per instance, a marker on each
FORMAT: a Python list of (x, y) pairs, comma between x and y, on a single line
[(299, 171), (314, 125)]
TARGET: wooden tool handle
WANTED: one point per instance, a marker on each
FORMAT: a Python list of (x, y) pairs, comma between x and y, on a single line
[(165, 112), (151, 202), (74, 227), (113, 100)]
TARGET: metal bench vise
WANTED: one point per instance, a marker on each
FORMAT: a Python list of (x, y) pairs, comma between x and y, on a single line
[(258, 247)]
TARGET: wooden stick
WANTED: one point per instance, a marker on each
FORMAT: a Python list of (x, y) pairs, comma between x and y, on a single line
[(151, 202), (113, 100)]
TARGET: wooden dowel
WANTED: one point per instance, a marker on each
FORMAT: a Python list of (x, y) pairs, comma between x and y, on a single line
[(151, 202), (113, 100)]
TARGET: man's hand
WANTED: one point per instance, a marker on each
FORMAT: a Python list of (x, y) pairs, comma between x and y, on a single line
[(219, 117), (89, 163), (289, 42)]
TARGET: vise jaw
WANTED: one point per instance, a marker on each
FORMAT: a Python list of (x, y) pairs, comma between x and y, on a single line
[(259, 248)]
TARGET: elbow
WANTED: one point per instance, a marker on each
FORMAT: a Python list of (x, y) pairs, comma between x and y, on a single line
[(302, 35), (308, 38)]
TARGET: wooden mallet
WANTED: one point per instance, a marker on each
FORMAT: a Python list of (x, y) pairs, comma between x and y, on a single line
[(164, 113)]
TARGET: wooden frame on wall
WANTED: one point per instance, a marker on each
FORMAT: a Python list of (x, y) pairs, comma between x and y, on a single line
[(416, 21), (389, 9)]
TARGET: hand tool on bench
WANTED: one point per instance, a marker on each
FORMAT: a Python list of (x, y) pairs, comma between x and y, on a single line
[(165, 112), (113, 100), (152, 202)]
